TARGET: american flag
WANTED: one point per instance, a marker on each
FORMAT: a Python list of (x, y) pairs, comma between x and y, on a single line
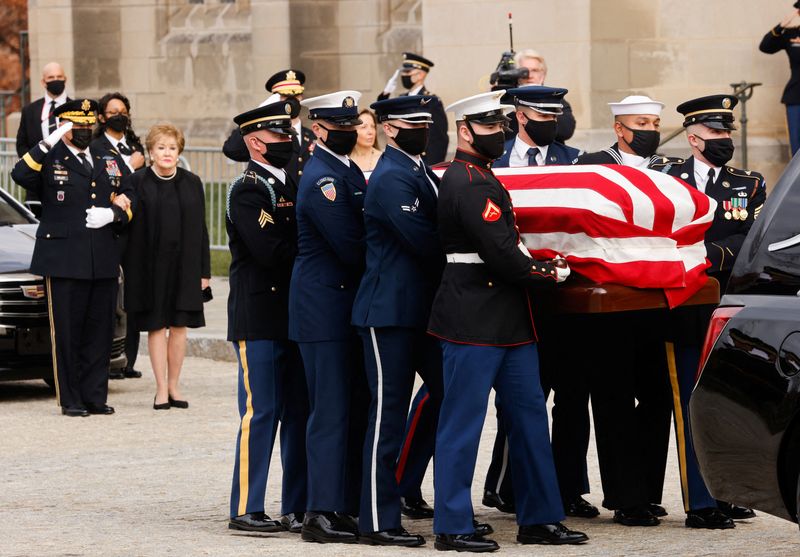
[(615, 224)]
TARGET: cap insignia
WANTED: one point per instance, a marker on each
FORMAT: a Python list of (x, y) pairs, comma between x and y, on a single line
[(726, 103), (288, 108), (348, 102), (86, 105), (291, 76)]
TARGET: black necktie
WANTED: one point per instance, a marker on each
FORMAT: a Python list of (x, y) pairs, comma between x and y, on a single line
[(86, 164), (124, 149), (51, 118), (532, 152), (710, 180)]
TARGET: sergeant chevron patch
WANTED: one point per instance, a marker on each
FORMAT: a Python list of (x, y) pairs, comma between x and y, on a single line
[(264, 218)]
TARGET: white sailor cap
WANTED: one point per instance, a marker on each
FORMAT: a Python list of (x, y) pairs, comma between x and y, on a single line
[(636, 104), (484, 108), (340, 107)]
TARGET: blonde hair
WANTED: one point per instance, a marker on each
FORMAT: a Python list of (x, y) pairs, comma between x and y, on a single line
[(164, 129), (529, 54)]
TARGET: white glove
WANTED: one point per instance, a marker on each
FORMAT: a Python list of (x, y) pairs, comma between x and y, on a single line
[(562, 269), (98, 217), (391, 85), (59, 132)]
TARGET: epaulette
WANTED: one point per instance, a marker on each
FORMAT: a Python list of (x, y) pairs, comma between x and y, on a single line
[(664, 164), (248, 176), (744, 173)]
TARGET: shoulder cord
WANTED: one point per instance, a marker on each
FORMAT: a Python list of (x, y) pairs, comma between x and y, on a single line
[(238, 180)]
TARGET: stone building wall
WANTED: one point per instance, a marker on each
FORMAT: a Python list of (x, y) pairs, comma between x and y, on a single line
[(199, 62)]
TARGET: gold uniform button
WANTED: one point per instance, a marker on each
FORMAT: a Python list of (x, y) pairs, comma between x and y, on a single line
[(299, 159), (341, 286), (490, 284), (47, 236), (299, 172), (274, 289), (94, 195), (288, 219), (93, 184)]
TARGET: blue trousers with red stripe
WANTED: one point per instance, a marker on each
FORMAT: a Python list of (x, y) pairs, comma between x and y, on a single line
[(419, 442), (470, 372), (271, 390), (683, 360), (391, 356)]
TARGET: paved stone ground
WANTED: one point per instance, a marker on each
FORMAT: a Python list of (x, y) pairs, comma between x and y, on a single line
[(156, 483)]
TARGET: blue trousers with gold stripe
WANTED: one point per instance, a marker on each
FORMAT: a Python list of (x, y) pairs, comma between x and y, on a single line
[(271, 389), (470, 372), (682, 360)]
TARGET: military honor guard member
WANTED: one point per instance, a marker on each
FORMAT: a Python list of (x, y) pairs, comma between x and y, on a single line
[(327, 272), (481, 314), (537, 111), (631, 401), (412, 74), (262, 231), (288, 84), (82, 201), (739, 194), (403, 267)]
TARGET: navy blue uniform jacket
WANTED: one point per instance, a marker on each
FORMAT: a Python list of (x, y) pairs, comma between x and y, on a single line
[(404, 258), (64, 247), (330, 242), (557, 153)]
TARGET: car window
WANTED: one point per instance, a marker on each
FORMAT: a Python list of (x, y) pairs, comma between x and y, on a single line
[(9, 214), (769, 261)]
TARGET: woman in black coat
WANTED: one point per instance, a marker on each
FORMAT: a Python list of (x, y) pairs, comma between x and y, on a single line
[(167, 261)]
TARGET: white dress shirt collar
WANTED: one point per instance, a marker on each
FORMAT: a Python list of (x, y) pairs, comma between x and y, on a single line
[(75, 152), (519, 153), (701, 174), (279, 173)]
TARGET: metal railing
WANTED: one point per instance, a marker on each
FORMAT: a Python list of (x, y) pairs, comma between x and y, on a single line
[(216, 171)]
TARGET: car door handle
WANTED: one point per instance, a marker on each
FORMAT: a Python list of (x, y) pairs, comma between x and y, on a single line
[(783, 244)]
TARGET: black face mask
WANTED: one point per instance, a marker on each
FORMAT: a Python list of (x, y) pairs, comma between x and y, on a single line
[(411, 140), (278, 154), (81, 138), (339, 141), (541, 132), (490, 146), (55, 87), (644, 142), (718, 151), (406, 81), (118, 122)]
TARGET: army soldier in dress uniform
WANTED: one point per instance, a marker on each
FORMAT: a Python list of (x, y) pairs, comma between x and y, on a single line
[(535, 144), (288, 84), (481, 314), (537, 111), (76, 252), (631, 400), (403, 268), (261, 225), (327, 272), (412, 74), (739, 194)]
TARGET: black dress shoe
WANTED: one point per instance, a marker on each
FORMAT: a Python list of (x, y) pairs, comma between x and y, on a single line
[(105, 409), (711, 518), (116, 374), (464, 542), (492, 499), (550, 534), (735, 511), (415, 508), (657, 510), (177, 403), (74, 411), (635, 516), (255, 522), (130, 373), (395, 536), (347, 522), (292, 522), (325, 528), (482, 528), (581, 508), (162, 406)]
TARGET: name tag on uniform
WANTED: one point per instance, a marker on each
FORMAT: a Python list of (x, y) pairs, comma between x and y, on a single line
[(283, 203)]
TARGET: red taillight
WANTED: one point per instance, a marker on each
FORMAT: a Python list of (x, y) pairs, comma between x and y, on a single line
[(719, 319)]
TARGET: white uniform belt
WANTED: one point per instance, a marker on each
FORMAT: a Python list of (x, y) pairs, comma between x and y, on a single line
[(464, 258)]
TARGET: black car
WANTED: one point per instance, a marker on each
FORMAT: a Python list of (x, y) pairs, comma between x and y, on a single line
[(745, 409), (25, 349)]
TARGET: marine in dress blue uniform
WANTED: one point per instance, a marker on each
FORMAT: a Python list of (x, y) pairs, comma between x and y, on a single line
[(403, 267), (739, 194), (262, 231), (481, 313), (327, 272), (537, 111), (76, 252)]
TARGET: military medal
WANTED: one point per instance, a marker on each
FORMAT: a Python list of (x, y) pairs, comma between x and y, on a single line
[(727, 206), (743, 210)]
